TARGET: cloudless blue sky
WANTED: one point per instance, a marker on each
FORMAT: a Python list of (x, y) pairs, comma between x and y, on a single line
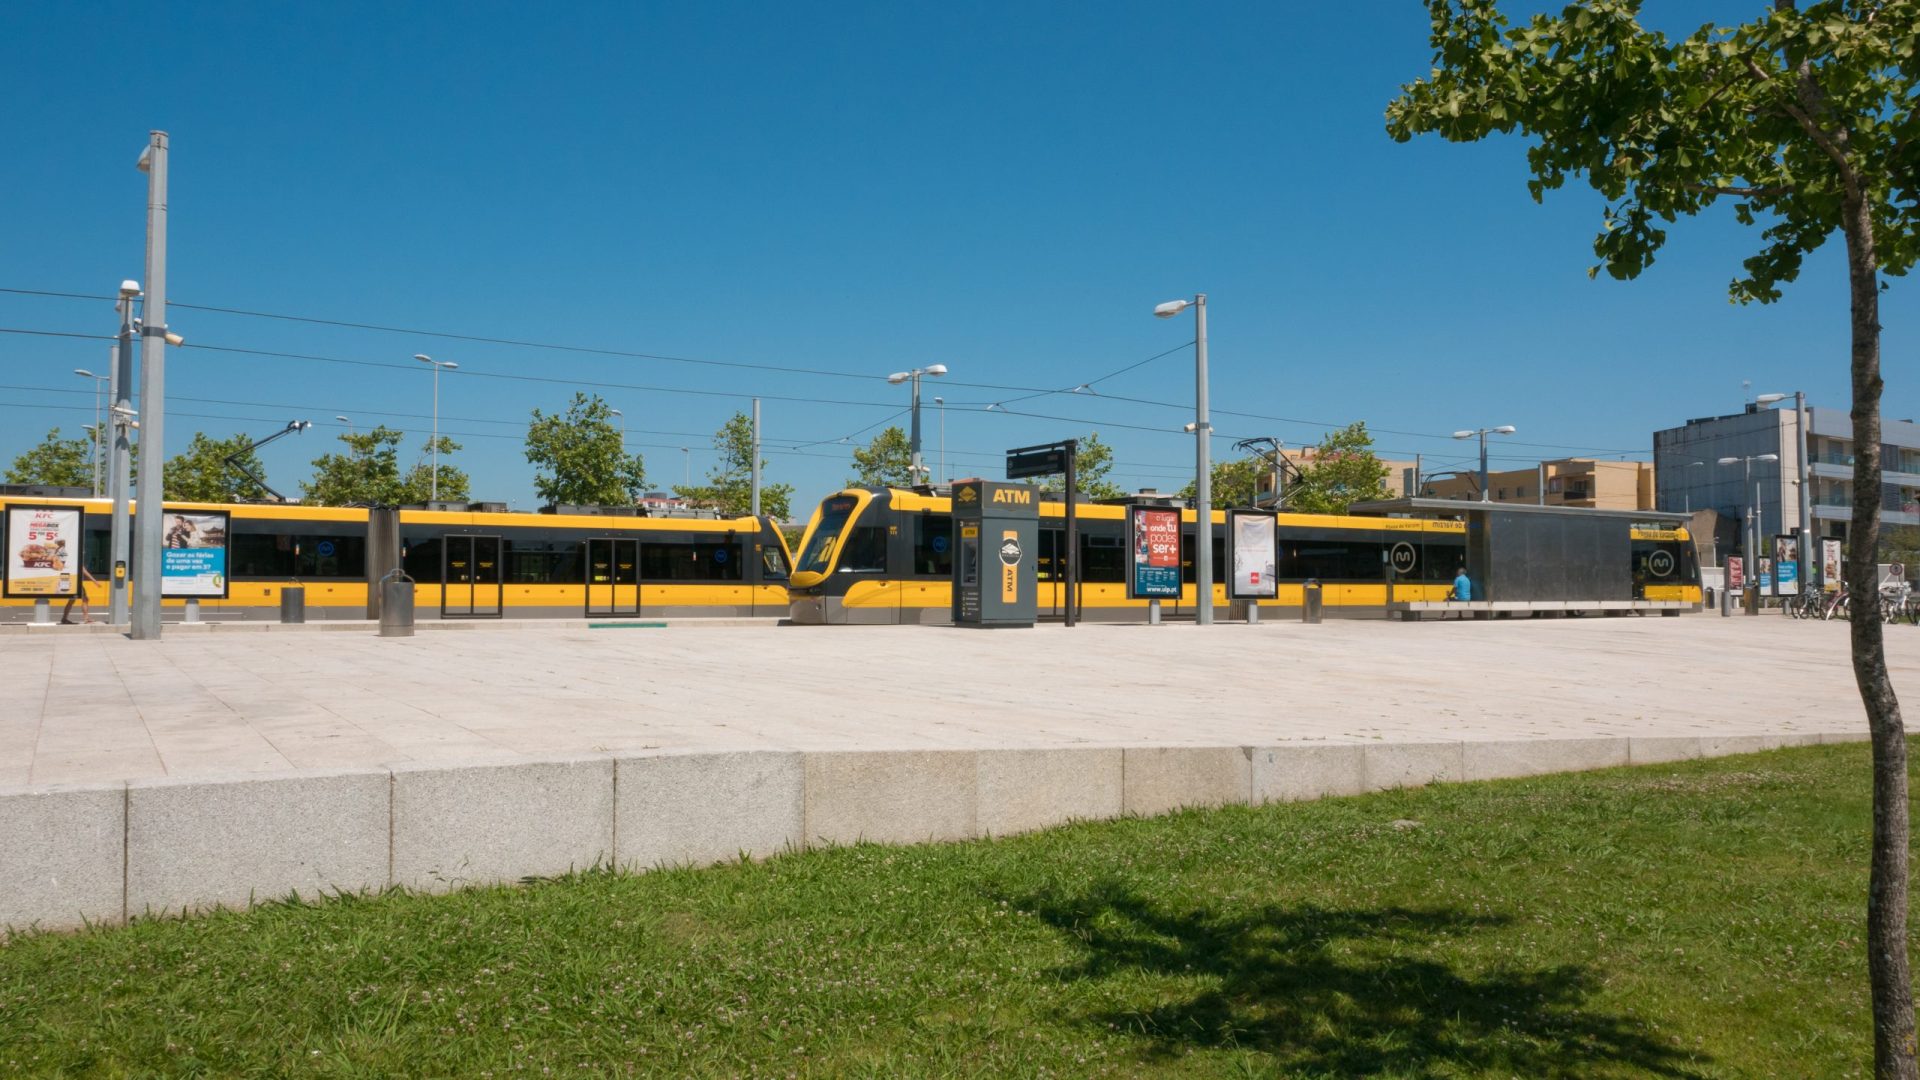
[(1005, 189)]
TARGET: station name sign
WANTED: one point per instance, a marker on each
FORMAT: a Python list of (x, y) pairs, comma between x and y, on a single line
[(1037, 461)]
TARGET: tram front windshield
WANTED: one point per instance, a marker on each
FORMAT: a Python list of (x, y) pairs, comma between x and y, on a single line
[(833, 520)]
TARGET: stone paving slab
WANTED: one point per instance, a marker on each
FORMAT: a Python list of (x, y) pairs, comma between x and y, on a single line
[(89, 708)]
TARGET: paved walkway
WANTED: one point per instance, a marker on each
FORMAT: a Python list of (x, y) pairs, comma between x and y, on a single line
[(84, 708)]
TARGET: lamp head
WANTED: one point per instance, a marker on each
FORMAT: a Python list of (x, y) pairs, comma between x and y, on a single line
[(1465, 434), (129, 289), (1768, 399), (1729, 461), (175, 339), (423, 358), (615, 412), (343, 419), (899, 377), (939, 401), (1171, 308), (1189, 428), (936, 370), (448, 364), (1504, 429), (1767, 457), (84, 373)]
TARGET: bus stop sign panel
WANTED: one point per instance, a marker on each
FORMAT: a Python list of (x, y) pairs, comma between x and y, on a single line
[(996, 541)]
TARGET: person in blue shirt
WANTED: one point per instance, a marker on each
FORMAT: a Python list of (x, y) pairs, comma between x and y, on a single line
[(1462, 587)]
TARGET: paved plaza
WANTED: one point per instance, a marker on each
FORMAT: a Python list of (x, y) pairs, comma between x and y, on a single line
[(89, 708)]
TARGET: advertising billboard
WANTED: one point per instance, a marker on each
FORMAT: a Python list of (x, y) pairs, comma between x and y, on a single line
[(1786, 565), (1736, 580), (1153, 535), (1253, 556), (1830, 572), (193, 554), (44, 550)]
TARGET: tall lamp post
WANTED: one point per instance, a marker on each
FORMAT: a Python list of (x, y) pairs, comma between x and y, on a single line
[(97, 380), (120, 461), (1202, 467), (434, 484), (144, 618), (898, 377), (1753, 508), (1504, 429), (1689, 484)]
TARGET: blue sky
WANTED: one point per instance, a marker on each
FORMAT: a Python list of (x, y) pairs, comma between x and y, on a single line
[(853, 189)]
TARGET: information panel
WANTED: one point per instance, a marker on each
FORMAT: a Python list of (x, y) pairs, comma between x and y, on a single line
[(1786, 565), (1153, 535), (1831, 574), (193, 553), (44, 550), (1253, 555)]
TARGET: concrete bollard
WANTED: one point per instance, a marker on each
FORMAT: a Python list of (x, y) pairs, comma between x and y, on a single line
[(1310, 601), (293, 604)]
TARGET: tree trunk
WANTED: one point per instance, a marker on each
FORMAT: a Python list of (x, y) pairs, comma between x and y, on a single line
[(1893, 1023)]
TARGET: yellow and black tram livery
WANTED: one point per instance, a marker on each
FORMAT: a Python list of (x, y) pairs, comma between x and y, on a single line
[(884, 555)]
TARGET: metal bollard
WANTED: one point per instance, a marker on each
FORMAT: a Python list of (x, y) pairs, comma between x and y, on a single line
[(1726, 603), (293, 604), (1753, 599), (1310, 602), (396, 605)]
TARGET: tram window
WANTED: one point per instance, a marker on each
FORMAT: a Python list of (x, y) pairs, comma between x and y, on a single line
[(932, 540), (268, 555), (99, 552), (536, 562), (1440, 562), (773, 563), (833, 518), (1102, 559), (1051, 541), (1330, 560), (712, 561), (864, 551), (1219, 558), (421, 559), (332, 557)]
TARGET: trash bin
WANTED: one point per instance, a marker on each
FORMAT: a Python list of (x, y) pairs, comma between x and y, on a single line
[(1310, 602), (293, 604), (396, 605)]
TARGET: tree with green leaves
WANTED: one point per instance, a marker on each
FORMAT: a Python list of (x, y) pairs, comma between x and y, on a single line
[(1342, 471), (1235, 482), (55, 462), (1091, 464), (201, 472), (1806, 121), (582, 457), (729, 486), (887, 461), (368, 473)]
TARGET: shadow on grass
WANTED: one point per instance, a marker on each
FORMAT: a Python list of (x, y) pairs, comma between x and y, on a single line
[(1340, 992)]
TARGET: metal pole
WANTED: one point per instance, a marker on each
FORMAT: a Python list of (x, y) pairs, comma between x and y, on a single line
[(1483, 466), (1070, 562), (687, 453), (433, 494), (1203, 474), (98, 433), (942, 402), (153, 389), (120, 471), (1540, 496), (914, 440), (756, 457), (1802, 415)]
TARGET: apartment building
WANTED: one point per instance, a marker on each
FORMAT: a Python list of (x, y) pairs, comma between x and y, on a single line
[(1599, 485)]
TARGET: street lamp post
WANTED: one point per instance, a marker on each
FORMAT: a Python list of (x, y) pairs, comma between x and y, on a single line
[(97, 380), (687, 453), (433, 485), (1688, 487), (1803, 469), (898, 377), (349, 422), (144, 624), (941, 403), (1202, 467), (120, 460), (1504, 429), (1753, 508)]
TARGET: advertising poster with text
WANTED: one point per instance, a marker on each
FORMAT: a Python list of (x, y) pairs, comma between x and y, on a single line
[(1253, 554), (1736, 580), (1830, 572), (193, 555), (1786, 565), (1156, 554), (43, 550)]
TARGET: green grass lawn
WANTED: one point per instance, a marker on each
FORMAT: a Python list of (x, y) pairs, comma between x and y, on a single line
[(1692, 920)]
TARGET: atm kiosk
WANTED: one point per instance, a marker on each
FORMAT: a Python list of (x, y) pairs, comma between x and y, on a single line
[(996, 543)]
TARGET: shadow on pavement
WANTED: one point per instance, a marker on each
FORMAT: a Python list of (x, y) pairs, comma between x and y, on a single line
[(1340, 992)]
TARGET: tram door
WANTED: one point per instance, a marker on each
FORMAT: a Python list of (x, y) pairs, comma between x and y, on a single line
[(470, 577), (613, 576)]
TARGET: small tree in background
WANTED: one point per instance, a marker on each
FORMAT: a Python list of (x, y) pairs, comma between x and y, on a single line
[(729, 486), (581, 457), (1234, 482), (201, 472), (1090, 468), (1342, 471), (887, 461), (55, 462), (368, 473)]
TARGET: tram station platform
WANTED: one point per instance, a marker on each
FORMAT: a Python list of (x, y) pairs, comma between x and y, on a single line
[(212, 769)]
